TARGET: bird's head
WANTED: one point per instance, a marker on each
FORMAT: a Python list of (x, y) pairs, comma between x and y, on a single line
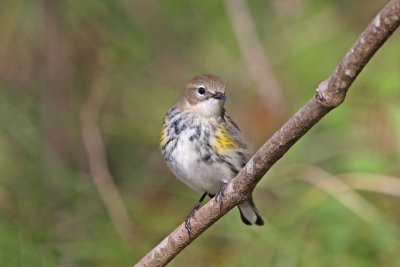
[(204, 94)]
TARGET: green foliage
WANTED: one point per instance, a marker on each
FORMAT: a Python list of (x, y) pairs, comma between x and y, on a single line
[(51, 56)]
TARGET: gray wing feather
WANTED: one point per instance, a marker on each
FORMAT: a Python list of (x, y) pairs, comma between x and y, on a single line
[(234, 130)]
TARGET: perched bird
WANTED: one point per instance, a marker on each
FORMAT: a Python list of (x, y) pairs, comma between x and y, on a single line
[(203, 146)]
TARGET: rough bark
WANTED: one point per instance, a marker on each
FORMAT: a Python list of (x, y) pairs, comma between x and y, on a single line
[(330, 94)]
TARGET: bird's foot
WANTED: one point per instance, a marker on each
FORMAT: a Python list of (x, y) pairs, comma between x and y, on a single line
[(190, 216), (220, 194)]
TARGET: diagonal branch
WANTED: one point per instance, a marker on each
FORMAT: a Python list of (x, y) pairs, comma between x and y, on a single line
[(330, 94)]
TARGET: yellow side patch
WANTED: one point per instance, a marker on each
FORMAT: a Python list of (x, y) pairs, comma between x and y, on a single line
[(224, 142), (163, 134)]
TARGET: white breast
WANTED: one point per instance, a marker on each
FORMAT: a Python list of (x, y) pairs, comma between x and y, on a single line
[(195, 173), (189, 155)]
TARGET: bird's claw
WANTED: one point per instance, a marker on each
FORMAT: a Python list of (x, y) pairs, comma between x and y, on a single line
[(190, 216), (187, 225), (220, 194)]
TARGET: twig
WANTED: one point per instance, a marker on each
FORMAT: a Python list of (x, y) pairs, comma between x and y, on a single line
[(330, 94), (96, 155), (339, 190), (256, 60), (377, 183)]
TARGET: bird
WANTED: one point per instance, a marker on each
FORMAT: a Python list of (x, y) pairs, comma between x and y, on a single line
[(202, 145)]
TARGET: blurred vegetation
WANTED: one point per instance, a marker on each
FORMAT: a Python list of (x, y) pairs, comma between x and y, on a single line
[(52, 52)]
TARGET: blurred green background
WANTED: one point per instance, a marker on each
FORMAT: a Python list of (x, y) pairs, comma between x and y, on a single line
[(72, 69)]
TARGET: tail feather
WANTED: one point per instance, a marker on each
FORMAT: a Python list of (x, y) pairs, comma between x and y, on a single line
[(249, 213)]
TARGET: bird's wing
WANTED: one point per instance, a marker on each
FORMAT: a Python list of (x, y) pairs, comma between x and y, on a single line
[(232, 126), (233, 129), (164, 132)]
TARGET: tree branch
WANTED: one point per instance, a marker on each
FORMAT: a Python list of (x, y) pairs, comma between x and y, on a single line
[(330, 94)]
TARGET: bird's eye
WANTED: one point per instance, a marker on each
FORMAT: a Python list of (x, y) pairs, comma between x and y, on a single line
[(201, 90)]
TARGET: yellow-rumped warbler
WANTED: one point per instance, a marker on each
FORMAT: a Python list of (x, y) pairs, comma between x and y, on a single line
[(203, 146)]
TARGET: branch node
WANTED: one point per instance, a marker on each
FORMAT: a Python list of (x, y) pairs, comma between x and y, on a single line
[(321, 91)]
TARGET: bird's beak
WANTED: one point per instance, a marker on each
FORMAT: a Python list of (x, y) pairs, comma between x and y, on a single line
[(219, 96)]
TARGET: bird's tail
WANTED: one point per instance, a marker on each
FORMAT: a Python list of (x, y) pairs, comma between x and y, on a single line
[(249, 213)]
